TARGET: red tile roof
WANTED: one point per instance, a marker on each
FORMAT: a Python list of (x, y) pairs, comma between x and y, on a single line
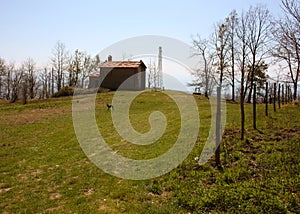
[(122, 64), (118, 64), (95, 74)]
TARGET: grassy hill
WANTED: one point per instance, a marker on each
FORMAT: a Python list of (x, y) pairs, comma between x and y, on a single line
[(43, 168)]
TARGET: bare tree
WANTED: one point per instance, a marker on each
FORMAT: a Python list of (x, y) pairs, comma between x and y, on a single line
[(59, 62), (4, 79), (24, 83), (292, 9), (149, 75), (242, 36), (232, 22), (2, 74), (75, 67), (220, 41), (258, 27), (89, 65), (16, 76), (203, 74), (152, 75), (10, 69), (286, 33), (87, 68), (45, 82), (52, 80), (31, 77), (80, 66)]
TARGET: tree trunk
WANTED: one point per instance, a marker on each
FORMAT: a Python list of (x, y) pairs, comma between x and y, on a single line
[(233, 87), (295, 91), (218, 127), (8, 85), (31, 87), (278, 96), (286, 94), (242, 106), (0, 87), (282, 94), (242, 119), (232, 70), (24, 93), (251, 80), (52, 81), (267, 99), (274, 98), (254, 106)]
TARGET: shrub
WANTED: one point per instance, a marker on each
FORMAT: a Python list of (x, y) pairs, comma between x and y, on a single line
[(65, 91), (103, 90)]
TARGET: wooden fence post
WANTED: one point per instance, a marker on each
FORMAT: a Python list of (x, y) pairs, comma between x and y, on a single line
[(267, 98), (218, 127), (254, 106)]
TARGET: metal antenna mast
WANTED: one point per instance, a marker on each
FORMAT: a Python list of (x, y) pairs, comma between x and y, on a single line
[(159, 69)]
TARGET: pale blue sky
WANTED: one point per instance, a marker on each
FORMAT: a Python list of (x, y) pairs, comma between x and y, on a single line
[(30, 28)]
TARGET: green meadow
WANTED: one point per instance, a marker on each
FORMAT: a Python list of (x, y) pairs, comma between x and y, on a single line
[(44, 170)]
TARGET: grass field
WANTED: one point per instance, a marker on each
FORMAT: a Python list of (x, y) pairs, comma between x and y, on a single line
[(43, 168)]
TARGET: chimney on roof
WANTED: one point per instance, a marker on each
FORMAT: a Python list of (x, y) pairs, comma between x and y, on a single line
[(109, 58)]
